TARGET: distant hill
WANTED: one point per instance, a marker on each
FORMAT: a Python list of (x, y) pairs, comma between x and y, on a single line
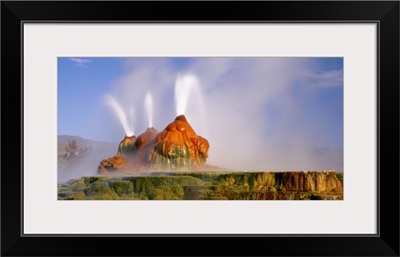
[(63, 139), (82, 158)]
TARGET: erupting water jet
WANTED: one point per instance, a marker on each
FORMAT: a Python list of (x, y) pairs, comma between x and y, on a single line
[(119, 112), (183, 85)]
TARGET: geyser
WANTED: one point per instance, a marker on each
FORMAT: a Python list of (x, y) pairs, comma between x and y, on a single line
[(148, 104), (183, 86), (119, 112), (177, 147)]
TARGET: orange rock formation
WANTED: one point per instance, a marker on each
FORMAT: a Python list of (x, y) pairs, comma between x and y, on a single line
[(176, 147), (112, 164), (179, 146)]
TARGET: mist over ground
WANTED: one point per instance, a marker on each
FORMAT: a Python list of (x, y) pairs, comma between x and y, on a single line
[(257, 113), (84, 160)]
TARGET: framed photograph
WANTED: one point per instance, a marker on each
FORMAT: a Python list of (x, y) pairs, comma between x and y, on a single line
[(265, 124)]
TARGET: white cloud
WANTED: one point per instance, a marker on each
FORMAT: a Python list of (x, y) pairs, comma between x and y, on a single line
[(80, 62)]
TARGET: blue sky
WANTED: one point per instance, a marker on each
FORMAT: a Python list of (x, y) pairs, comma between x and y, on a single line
[(244, 106)]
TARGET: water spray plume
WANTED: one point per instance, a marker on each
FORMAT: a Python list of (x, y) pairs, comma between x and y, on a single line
[(183, 86), (119, 112), (148, 102)]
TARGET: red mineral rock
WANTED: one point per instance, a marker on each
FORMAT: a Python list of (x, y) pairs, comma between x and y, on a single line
[(143, 146), (112, 164), (144, 139)]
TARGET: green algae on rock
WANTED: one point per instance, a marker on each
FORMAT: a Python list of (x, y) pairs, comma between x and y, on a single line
[(296, 185), (101, 191), (121, 187)]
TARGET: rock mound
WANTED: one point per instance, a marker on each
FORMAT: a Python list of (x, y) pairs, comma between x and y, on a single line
[(143, 146), (178, 146), (112, 164), (126, 147)]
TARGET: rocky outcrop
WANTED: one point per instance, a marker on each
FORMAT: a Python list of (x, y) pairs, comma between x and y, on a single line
[(112, 164), (325, 181), (126, 147), (178, 146), (143, 146), (308, 185), (145, 138), (132, 156)]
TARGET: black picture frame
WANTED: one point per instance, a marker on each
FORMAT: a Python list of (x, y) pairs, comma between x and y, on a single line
[(384, 243)]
